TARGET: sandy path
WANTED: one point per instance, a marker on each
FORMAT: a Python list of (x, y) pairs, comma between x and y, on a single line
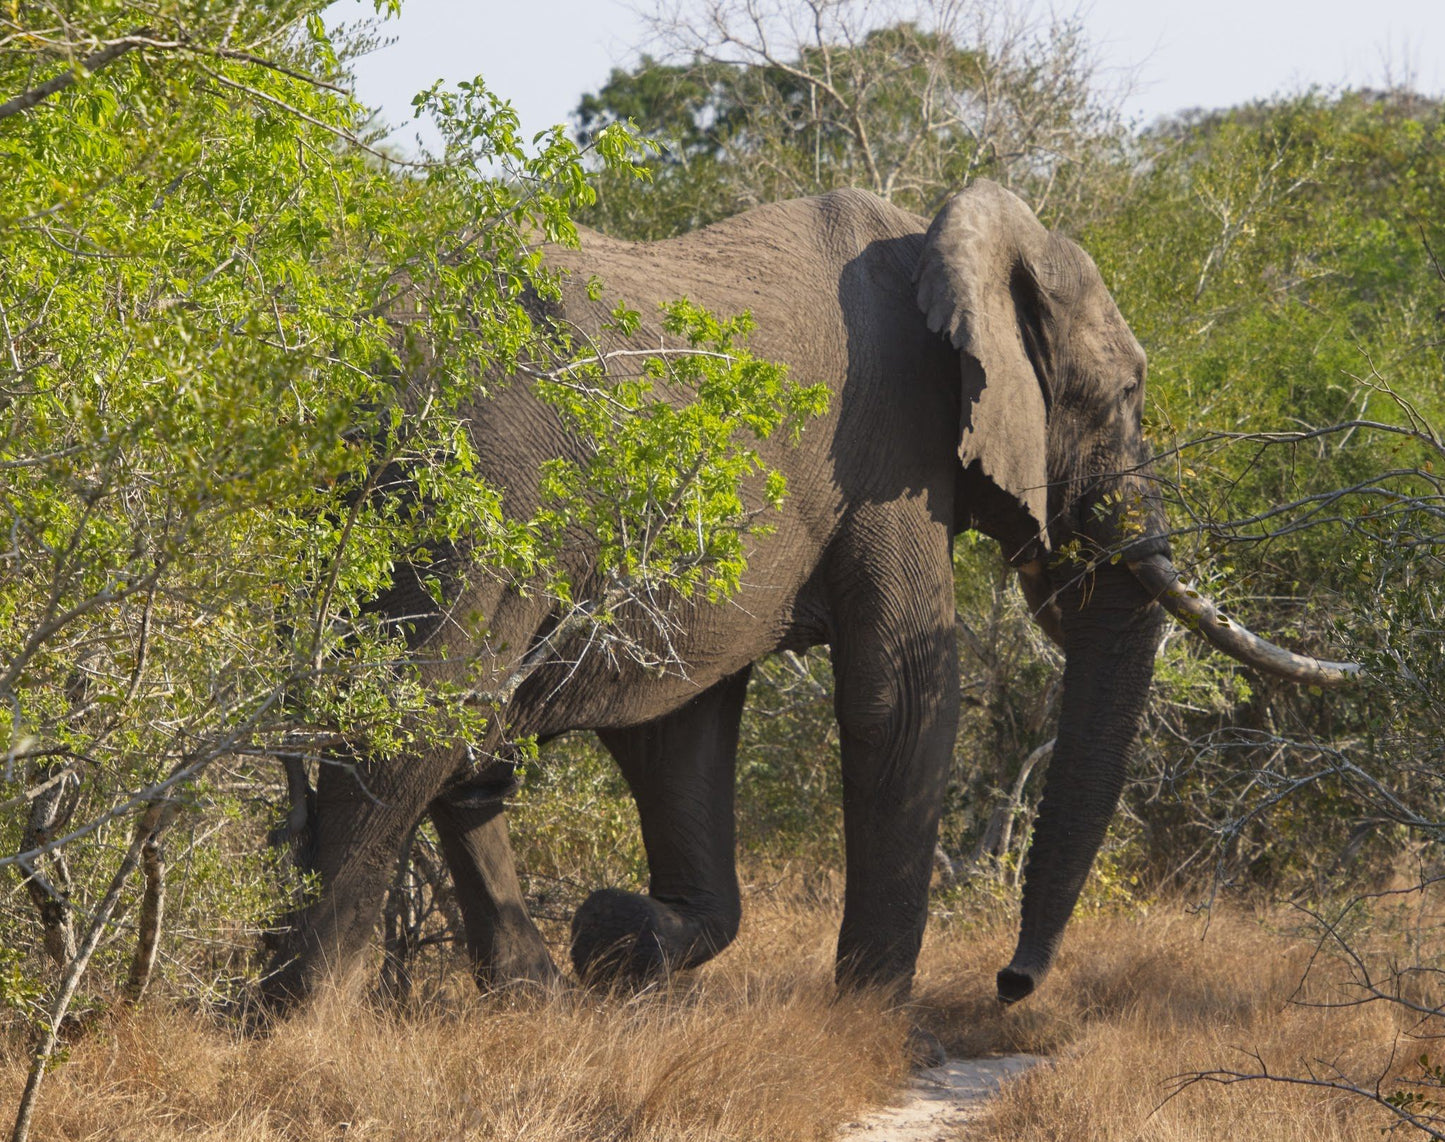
[(939, 1102)]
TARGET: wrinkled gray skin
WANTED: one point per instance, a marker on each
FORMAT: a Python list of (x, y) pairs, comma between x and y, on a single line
[(982, 377)]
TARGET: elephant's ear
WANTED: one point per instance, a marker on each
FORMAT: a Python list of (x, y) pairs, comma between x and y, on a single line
[(983, 280)]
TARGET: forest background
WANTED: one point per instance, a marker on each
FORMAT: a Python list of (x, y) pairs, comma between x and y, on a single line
[(204, 236)]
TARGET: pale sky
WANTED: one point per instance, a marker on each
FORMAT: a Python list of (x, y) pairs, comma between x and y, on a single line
[(543, 54)]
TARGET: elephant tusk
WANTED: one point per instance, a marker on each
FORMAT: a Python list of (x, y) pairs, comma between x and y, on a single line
[(1180, 598), (1039, 594)]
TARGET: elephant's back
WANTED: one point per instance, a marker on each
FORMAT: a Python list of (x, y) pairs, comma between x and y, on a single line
[(781, 262)]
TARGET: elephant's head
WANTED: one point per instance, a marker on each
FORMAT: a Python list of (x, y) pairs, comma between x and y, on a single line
[(1052, 400)]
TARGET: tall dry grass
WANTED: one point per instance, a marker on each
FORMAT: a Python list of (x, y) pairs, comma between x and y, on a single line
[(1138, 1002), (753, 1047)]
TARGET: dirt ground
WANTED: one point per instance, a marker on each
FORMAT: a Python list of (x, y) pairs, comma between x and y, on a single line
[(940, 1102)]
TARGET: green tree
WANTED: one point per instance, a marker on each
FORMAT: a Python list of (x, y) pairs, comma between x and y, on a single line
[(784, 99), (224, 314), (1275, 260)]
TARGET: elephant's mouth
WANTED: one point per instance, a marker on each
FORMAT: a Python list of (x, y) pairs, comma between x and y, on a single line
[(1174, 593)]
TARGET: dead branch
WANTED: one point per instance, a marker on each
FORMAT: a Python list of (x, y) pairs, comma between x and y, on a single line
[(65, 993), (91, 64)]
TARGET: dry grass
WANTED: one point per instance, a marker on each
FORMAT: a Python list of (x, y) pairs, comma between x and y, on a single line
[(753, 1047), (1135, 1002)]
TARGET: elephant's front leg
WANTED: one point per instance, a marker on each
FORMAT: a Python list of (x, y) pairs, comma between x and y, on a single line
[(505, 947), (896, 669), (680, 770)]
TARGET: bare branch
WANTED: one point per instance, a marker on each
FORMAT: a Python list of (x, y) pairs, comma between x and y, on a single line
[(91, 64)]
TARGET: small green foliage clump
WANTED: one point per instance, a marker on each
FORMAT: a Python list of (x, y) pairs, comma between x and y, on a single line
[(661, 487)]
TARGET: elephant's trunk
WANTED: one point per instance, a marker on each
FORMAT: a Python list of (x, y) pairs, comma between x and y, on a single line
[(1110, 634)]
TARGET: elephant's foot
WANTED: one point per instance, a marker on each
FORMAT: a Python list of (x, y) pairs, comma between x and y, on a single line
[(281, 991), (289, 986), (517, 963), (880, 968), (620, 936), (307, 955)]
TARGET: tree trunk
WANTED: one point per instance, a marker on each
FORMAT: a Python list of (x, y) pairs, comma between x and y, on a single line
[(152, 912), (49, 815)]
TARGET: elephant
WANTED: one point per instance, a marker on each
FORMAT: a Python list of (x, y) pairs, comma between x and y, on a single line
[(982, 378)]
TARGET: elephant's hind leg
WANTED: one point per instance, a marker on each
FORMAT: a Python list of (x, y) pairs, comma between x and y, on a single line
[(504, 945), (680, 769), (363, 811)]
